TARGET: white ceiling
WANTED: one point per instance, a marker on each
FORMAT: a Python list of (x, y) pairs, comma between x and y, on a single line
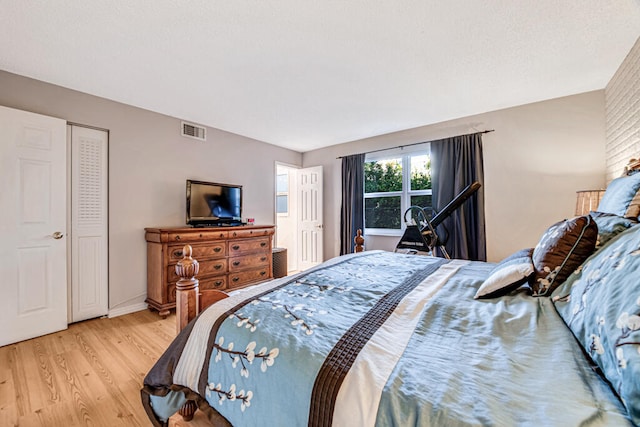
[(304, 74)]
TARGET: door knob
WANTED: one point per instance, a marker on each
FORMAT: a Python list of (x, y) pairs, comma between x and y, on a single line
[(57, 235)]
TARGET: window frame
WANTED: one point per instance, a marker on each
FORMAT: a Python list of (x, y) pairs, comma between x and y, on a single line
[(283, 193), (405, 194)]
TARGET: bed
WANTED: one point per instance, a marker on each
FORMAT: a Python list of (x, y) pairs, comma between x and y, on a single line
[(548, 336)]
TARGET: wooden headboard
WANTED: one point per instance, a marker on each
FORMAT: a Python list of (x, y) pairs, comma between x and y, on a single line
[(633, 165)]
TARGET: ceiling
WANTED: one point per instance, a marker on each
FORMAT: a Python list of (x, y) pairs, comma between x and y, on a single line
[(305, 74)]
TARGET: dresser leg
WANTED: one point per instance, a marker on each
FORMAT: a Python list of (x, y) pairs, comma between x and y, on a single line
[(187, 410), (164, 313)]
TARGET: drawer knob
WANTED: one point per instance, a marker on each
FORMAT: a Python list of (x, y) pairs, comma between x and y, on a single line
[(235, 247), (264, 258), (217, 282), (235, 279), (178, 253), (200, 234), (263, 244), (178, 237), (217, 266), (217, 249), (236, 263), (262, 273)]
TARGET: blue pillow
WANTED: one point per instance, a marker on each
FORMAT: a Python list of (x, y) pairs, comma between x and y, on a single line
[(622, 197), (610, 225), (600, 302)]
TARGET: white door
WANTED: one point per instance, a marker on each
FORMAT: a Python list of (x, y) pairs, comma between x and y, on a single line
[(310, 211), (89, 221), (33, 248)]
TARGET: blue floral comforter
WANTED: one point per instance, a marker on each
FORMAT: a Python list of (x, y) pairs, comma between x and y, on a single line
[(381, 339)]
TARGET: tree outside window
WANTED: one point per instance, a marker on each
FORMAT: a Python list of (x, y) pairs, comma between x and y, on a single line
[(391, 185)]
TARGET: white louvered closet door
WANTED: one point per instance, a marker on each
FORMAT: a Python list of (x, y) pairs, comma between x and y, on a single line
[(89, 223)]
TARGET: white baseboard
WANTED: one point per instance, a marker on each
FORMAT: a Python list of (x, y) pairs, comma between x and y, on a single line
[(127, 310)]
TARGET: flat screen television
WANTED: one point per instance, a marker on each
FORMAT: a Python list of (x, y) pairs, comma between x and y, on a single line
[(211, 204)]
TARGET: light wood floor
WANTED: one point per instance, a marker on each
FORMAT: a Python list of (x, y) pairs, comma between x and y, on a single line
[(88, 375)]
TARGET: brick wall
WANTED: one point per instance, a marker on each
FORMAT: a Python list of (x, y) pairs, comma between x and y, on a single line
[(622, 111)]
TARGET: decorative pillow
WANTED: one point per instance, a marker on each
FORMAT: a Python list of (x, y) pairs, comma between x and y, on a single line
[(622, 197), (562, 248), (509, 274), (600, 303), (610, 225)]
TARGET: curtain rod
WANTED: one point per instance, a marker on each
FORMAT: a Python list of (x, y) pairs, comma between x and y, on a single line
[(417, 143)]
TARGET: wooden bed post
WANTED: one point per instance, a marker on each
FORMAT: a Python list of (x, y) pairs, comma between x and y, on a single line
[(187, 295), (359, 241), (187, 305)]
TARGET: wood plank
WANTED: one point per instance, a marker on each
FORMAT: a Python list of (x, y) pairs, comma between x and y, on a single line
[(90, 374)]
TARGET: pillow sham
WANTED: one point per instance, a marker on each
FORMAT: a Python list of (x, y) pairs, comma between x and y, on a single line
[(600, 303), (622, 197), (610, 225), (510, 273), (561, 249)]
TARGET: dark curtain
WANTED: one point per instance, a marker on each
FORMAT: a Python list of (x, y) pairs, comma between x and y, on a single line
[(455, 163), (352, 217)]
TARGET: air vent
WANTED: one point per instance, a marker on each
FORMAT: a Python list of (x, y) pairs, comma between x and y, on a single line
[(194, 131)]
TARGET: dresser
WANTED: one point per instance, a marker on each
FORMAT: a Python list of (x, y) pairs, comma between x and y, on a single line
[(229, 258)]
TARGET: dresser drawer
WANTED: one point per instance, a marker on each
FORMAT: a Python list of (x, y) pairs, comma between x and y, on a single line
[(196, 236), (216, 249), (242, 278), (206, 268), (171, 292), (253, 245), (248, 261), (250, 232), (219, 283)]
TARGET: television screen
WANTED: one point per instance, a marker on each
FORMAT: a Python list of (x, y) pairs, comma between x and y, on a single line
[(209, 203)]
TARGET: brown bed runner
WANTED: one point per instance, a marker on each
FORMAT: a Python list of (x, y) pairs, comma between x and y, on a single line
[(344, 353)]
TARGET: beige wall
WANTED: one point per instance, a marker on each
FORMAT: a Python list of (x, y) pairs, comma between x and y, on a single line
[(148, 164), (622, 108), (538, 157)]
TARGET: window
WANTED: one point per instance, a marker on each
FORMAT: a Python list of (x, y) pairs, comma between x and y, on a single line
[(282, 194), (391, 185)]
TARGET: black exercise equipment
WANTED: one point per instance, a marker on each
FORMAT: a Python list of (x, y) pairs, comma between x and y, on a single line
[(420, 233)]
